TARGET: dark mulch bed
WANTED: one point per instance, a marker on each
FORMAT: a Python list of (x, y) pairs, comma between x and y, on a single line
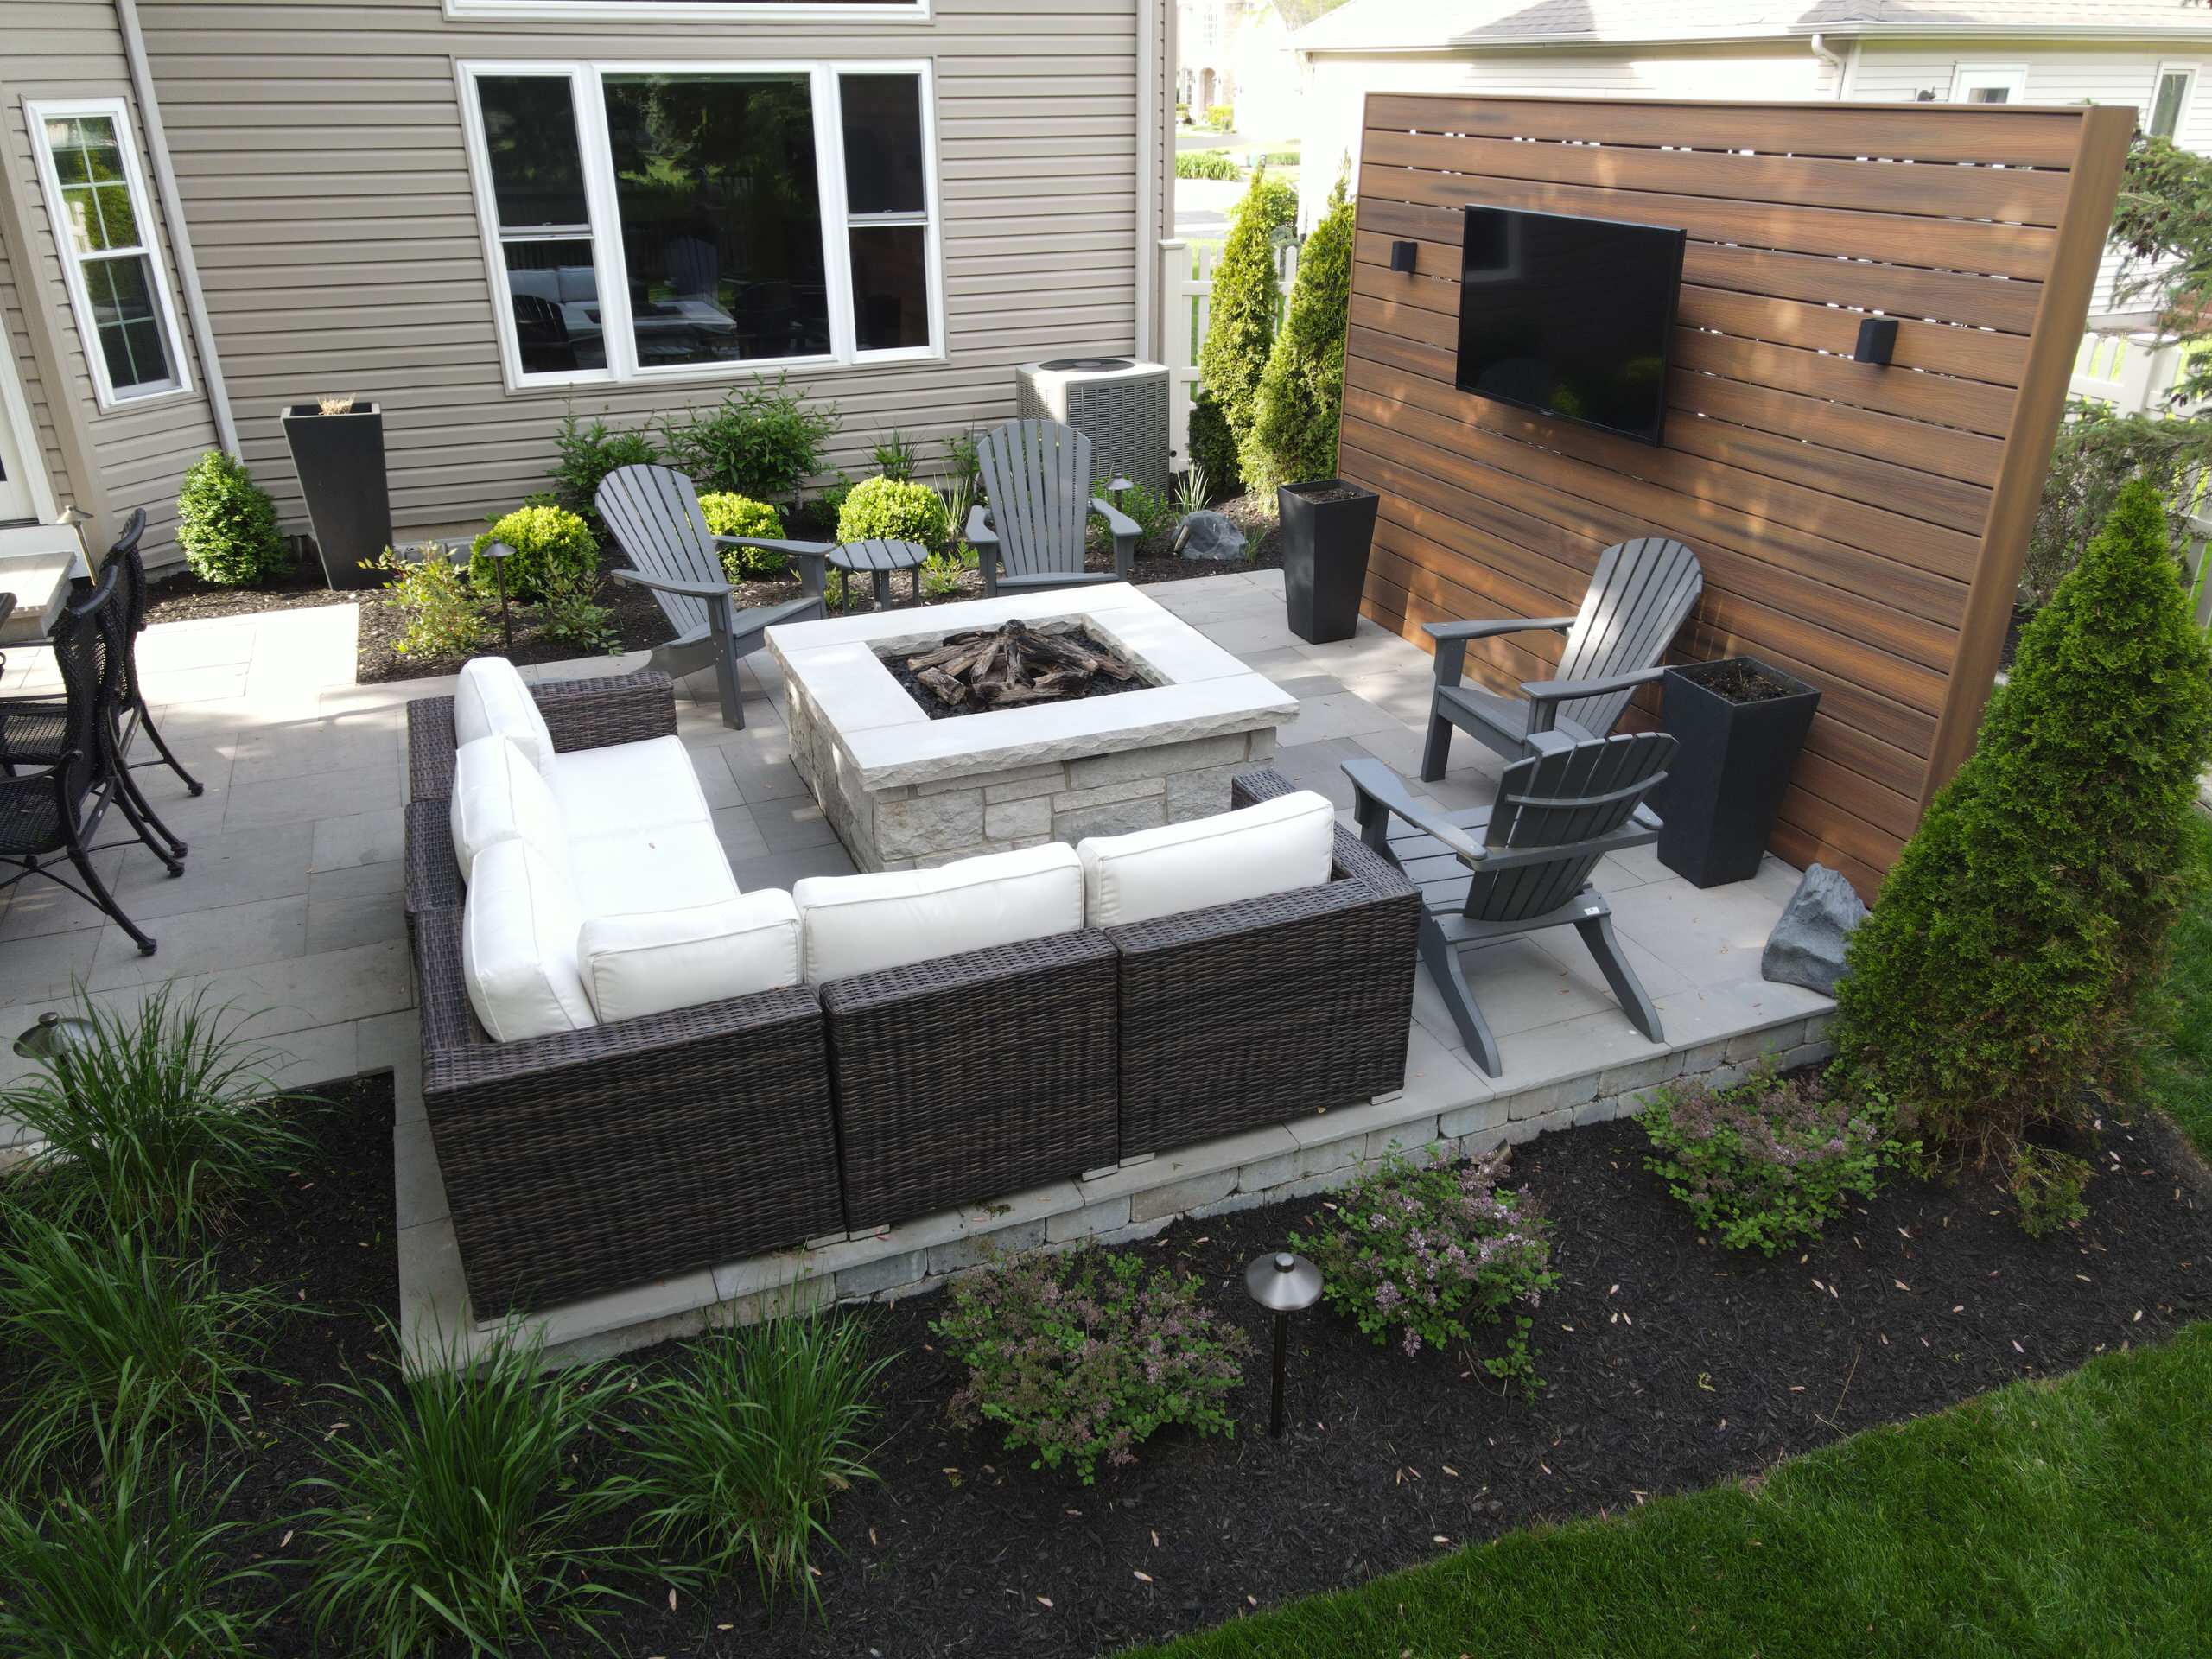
[(1671, 1364)]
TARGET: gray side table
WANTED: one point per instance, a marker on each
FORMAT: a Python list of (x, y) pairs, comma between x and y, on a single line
[(877, 560)]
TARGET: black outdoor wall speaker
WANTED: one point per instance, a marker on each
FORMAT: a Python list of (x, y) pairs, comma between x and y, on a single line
[(1402, 255), (1877, 338)]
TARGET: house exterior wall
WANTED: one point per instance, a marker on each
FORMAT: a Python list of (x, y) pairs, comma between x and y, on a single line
[(43, 438), (134, 455), (319, 147)]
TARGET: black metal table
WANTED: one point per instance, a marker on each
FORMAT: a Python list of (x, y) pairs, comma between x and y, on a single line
[(877, 560)]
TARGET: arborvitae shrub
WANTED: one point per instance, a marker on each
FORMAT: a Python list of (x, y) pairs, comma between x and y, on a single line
[(1240, 326), (1990, 992), (227, 524), (1294, 435)]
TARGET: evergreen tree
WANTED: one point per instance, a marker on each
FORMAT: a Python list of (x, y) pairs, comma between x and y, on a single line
[(1294, 435), (1240, 330), (1990, 991)]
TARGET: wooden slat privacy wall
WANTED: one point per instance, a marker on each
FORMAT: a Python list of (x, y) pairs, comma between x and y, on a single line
[(1860, 526)]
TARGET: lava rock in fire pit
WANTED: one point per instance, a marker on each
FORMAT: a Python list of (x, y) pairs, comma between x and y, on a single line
[(1209, 535), (1015, 664)]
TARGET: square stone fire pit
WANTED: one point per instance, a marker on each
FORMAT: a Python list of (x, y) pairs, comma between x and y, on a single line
[(903, 789)]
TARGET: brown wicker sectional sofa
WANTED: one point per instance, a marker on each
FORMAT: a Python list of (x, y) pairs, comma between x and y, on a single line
[(588, 1160)]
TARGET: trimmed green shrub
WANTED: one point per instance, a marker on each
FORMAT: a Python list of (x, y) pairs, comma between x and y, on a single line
[(455, 1509), (1278, 202), (1206, 164), (894, 510), (2020, 928), (759, 441), (226, 525), (1294, 436), (740, 515), (553, 551), (1771, 1161), (745, 1444), (585, 455), (444, 616), (1081, 1357), (1240, 330), (1420, 1249)]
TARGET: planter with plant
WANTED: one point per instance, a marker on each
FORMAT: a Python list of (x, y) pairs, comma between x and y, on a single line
[(1738, 725), (337, 446)]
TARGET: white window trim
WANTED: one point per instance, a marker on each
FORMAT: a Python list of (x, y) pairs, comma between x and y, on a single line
[(587, 98), (640, 11), (2188, 97), (2012, 76), (37, 113)]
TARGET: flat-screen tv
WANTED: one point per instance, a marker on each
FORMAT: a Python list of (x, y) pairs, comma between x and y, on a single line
[(1570, 317)]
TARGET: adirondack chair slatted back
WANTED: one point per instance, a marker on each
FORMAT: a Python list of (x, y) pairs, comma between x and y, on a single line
[(654, 513), (1557, 800), (1037, 478), (1640, 596)]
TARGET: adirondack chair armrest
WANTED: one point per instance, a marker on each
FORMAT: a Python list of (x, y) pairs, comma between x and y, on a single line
[(1382, 794), (979, 533), (1545, 696), (707, 590), (1116, 521), (812, 557), (1451, 639)]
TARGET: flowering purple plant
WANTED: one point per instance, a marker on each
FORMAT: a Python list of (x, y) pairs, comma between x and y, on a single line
[(1080, 1356), (1418, 1250), (1768, 1163)]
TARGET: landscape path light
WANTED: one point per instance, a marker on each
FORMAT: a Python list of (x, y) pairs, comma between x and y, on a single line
[(1283, 1284), (499, 553), (53, 1039)]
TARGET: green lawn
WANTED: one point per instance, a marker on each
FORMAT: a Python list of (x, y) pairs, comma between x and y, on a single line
[(2066, 1517)]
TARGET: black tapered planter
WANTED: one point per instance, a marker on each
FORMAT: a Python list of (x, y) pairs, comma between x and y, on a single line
[(1738, 725), (340, 459), (1326, 527)]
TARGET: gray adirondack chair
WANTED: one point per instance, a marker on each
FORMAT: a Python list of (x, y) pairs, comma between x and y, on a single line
[(654, 513), (1522, 864), (1639, 596), (1037, 480)]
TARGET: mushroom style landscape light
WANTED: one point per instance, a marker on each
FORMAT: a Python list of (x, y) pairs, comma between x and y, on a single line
[(53, 1036), (1283, 1284), (499, 553)]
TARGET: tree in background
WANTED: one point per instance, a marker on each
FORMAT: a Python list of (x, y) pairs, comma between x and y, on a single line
[(1989, 993), (1240, 332), (1293, 435)]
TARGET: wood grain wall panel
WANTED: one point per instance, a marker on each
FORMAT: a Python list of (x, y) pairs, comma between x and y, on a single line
[(1859, 526)]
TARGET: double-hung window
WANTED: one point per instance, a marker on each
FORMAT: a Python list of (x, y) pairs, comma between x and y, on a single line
[(2169, 101), (654, 222), (103, 228)]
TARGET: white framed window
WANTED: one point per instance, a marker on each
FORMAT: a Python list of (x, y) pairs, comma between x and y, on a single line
[(1989, 83), (647, 221), (737, 11), (2169, 97), (103, 220)]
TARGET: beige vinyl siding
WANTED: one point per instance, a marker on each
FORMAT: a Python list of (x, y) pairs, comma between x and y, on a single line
[(14, 337), (73, 49), (319, 149)]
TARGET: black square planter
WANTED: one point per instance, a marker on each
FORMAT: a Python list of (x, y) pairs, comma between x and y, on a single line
[(340, 459), (1731, 768), (1326, 528)]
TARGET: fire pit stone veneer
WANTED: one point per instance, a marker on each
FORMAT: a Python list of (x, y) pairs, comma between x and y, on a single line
[(904, 791)]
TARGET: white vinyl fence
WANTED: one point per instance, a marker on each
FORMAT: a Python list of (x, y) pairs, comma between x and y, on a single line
[(1187, 269)]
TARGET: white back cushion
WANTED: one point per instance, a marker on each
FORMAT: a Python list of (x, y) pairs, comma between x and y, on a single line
[(855, 923), (491, 698), (1278, 846), (498, 795), (518, 945), (657, 960)]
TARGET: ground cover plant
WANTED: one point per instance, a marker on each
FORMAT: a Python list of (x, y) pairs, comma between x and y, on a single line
[(227, 524), (2025, 921), (1418, 1248), (1081, 1357), (1766, 1164)]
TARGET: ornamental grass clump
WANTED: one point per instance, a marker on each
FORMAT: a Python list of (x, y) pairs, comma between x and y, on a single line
[(2019, 935), (1082, 1357), (1422, 1248), (1769, 1162)]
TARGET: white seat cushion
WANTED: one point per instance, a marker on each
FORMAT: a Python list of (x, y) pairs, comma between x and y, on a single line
[(627, 786), (671, 867), (1278, 846), (498, 796), (664, 959), (518, 945), (491, 698), (856, 923)]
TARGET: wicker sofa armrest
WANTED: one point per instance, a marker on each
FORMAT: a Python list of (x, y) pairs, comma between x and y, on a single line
[(583, 1162), (432, 873), (971, 1076), (586, 714), (430, 747)]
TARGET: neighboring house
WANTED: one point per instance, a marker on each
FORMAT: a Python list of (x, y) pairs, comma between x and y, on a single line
[(2151, 54), (1238, 53), (481, 213)]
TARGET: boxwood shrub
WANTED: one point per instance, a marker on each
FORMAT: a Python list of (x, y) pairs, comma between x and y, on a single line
[(554, 551), (731, 514), (226, 525), (894, 510)]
